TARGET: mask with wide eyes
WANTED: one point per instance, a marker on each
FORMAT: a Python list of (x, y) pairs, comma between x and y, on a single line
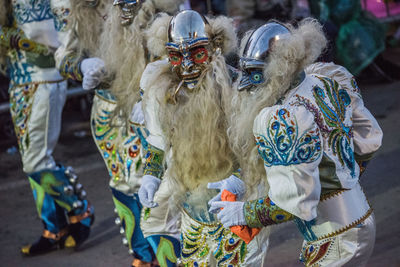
[(250, 79), (129, 9), (189, 63)]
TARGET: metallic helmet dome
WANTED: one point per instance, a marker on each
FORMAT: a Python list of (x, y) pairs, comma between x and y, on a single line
[(187, 25), (259, 44)]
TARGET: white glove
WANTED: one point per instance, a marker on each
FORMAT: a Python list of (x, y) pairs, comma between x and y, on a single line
[(232, 184), (232, 213), (147, 190), (93, 71)]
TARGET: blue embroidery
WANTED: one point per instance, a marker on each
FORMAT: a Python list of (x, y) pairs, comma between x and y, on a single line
[(35, 10), (18, 70), (333, 103), (284, 146)]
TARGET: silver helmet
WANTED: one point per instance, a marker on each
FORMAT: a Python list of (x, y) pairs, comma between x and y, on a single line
[(188, 46), (255, 53), (129, 9)]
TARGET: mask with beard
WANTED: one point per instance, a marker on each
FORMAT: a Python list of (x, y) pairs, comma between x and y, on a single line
[(128, 9), (188, 47)]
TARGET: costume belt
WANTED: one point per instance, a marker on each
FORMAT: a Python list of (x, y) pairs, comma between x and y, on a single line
[(341, 211)]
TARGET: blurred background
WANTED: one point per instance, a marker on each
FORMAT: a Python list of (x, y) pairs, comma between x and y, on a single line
[(364, 36)]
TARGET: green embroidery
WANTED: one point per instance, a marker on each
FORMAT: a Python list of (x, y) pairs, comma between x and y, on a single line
[(39, 195), (48, 181), (154, 161), (165, 251), (126, 215), (263, 212), (70, 67)]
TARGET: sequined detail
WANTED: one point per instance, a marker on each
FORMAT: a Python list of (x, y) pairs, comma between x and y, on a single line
[(31, 10), (15, 38), (21, 101), (70, 67), (230, 251), (263, 212), (154, 161), (354, 87), (121, 148), (333, 103), (284, 145), (61, 18), (312, 254)]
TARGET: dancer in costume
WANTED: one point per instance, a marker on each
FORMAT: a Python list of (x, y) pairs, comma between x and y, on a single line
[(310, 129), (118, 40), (37, 96), (184, 101)]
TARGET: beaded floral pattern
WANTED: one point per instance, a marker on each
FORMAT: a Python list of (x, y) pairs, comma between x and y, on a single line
[(284, 145), (313, 253), (154, 161), (60, 18), (333, 103), (21, 100), (264, 212), (231, 250), (121, 150), (70, 67)]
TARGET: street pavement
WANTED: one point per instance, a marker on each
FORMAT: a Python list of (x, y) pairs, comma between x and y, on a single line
[(19, 223)]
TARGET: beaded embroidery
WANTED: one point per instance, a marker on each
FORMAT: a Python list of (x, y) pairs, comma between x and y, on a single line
[(70, 67), (264, 212), (283, 144), (154, 161), (60, 18), (34, 10), (21, 100), (231, 250), (121, 150), (333, 102)]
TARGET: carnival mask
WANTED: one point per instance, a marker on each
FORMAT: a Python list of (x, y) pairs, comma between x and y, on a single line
[(255, 54), (129, 9), (188, 46)]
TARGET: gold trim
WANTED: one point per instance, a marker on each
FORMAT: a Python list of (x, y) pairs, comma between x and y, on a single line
[(77, 218), (344, 229), (332, 194), (105, 99), (49, 235), (199, 222), (35, 83)]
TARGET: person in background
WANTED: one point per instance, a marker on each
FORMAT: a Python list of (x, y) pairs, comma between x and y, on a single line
[(37, 96)]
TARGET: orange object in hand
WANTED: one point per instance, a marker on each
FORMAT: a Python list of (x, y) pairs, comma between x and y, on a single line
[(245, 232)]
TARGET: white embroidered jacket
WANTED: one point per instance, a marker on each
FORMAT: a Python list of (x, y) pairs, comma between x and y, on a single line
[(308, 141)]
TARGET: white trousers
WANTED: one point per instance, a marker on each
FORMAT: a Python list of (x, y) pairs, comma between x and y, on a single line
[(36, 110), (350, 248)]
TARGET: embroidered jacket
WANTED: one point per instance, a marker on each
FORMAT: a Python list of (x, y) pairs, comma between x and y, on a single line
[(308, 143), (31, 42)]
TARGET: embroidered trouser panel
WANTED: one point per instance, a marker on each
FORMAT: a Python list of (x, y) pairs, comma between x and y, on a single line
[(166, 248), (128, 210), (350, 248), (214, 245), (56, 194), (119, 143), (36, 113)]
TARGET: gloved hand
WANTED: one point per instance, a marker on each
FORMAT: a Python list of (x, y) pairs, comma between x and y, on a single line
[(147, 190), (232, 213), (93, 71), (232, 184)]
